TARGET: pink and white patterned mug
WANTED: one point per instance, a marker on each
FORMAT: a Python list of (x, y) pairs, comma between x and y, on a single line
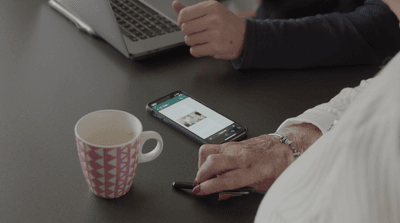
[(110, 147)]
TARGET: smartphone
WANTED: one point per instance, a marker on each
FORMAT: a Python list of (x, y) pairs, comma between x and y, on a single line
[(196, 120)]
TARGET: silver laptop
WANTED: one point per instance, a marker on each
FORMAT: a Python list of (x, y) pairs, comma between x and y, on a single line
[(138, 29)]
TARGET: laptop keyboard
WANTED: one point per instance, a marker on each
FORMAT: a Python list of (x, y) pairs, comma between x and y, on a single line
[(138, 21)]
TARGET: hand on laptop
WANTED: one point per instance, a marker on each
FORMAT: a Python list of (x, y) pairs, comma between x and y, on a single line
[(211, 29)]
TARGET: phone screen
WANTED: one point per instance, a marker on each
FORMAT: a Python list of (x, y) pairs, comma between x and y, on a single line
[(195, 117)]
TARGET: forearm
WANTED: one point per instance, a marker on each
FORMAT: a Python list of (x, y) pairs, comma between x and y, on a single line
[(323, 115), (322, 40), (306, 128)]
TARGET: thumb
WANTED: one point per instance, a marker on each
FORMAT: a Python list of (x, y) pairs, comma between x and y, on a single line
[(177, 6)]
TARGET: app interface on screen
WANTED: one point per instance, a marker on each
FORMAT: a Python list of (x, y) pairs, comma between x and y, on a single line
[(192, 115)]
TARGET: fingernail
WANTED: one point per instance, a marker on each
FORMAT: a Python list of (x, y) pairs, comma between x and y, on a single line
[(196, 190), (201, 147)]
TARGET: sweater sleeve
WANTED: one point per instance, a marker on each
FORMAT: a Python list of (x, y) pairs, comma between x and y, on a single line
[(325, 114), (366, 35)]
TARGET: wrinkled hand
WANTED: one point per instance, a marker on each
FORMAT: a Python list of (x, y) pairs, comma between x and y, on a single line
[(256, 162), (211, 29)]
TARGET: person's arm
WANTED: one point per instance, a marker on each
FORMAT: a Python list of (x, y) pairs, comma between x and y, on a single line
[(306, 128), (365, 36), (351, 173), (324, 115), (259, 161)]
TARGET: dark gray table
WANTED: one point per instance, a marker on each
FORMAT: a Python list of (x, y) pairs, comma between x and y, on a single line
[(51, 74)]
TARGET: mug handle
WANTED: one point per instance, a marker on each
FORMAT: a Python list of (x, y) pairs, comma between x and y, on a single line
[(155, 152)]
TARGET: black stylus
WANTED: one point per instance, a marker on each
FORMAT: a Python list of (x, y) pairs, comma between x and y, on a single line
[(189, 185)]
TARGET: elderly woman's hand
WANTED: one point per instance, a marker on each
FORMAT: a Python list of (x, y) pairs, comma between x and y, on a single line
[(256, 162)]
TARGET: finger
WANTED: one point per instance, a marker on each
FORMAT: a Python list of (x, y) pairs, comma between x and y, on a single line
[(215, 164), (206, 150), (228, 181), (178, 6), (197, 38), (194, 12), (207, 49), (195, 26)]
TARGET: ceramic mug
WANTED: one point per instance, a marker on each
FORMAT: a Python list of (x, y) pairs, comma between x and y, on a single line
[(109, 144)]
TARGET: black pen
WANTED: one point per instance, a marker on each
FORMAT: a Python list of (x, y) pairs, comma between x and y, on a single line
[(189, 185)]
